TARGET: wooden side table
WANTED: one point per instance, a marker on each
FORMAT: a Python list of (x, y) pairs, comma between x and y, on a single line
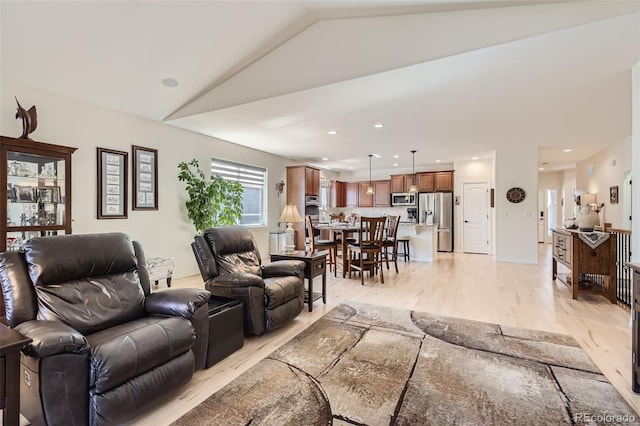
[(315, 264), (10, 344)]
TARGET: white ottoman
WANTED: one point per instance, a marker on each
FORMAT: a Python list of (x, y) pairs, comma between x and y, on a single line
[(160, 268)]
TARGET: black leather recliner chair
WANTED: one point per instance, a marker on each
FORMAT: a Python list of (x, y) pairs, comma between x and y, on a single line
[(104, 348), (230, 264)]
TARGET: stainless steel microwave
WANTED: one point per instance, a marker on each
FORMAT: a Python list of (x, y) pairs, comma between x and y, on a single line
[(403, 199)]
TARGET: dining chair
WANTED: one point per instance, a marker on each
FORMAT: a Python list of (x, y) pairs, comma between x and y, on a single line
[(318, 244), (390, 242), (369, 248)]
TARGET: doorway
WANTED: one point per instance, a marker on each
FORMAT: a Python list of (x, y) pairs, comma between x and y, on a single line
[(475, 215), (547, 214)]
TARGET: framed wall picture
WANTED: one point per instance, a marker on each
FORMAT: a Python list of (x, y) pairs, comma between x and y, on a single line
[(145, 178), (613, 194), (112, 184)]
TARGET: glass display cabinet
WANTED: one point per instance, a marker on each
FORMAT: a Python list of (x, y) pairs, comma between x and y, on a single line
[(37, 198)]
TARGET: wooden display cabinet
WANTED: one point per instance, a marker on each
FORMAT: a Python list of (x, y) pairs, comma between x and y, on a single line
[(37, 197), (36, 201)]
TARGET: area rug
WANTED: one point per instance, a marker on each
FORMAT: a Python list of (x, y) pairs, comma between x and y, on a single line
[(371, 365)]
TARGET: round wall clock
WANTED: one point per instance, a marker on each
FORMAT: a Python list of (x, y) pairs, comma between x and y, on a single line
[(515, 195)]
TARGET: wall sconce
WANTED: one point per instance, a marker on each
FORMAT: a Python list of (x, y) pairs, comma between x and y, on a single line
[(279, 187)]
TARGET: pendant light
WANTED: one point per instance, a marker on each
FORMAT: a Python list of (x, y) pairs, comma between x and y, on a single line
[(413, 188), (370, 188)]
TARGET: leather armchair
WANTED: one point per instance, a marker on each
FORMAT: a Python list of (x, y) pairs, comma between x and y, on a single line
[(230, 264), (104, 348)]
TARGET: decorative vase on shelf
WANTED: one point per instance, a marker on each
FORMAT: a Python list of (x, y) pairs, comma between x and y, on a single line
[(587, 219)]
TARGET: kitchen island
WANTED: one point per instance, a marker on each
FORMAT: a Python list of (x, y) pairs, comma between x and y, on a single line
[(422, 240)]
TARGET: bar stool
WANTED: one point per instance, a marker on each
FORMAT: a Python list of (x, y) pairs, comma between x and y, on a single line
[(404, 240)]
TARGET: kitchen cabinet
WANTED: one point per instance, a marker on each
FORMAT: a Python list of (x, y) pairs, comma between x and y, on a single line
[(402, 183), (588, 270), (37, 193), (435, 181), (312, 181), (338, 194), (301, 181), (382, 193), (351, 194), (364, 199), (443, 181), (426, 182)]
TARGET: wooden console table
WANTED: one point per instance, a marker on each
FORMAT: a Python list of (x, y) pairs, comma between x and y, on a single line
[(10, 344), (591, 270)]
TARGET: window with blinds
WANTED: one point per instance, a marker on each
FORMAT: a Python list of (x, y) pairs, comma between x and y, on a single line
[(253, 180)]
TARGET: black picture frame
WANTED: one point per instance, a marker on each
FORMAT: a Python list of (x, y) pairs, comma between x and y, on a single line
[(613, 194), (145, 178), (112, 184)]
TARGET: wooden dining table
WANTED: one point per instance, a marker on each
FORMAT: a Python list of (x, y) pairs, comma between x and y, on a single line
[(345, 229)]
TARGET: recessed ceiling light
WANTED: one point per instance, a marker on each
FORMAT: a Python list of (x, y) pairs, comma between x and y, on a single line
[(325, 159), (567, 150), (332, 132), (169, 82), (395, 164), (378, 125), (540, 168), (396, 156), (474, 158), (438, 161), (351, 167), (377, 155)]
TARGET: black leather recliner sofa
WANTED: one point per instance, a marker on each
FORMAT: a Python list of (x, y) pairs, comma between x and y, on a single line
[(104, 348), (230, 264)]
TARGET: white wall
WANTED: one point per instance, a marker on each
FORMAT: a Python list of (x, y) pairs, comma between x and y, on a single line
[(516, 227), (568, 185), (635, 136), (166, 232), (609, 167), (473, 171)]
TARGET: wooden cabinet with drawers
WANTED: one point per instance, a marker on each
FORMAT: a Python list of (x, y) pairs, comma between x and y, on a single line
[(587, 269)]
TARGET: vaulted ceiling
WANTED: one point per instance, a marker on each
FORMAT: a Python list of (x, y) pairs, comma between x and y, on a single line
[(452, 79)]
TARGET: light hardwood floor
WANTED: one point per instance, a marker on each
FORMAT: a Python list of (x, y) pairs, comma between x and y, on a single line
[(461, 285)]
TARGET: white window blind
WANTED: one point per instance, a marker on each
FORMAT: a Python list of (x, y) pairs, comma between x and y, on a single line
[(253, 180)]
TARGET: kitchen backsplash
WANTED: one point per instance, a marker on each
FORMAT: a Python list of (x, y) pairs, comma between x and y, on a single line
[(372, 211)]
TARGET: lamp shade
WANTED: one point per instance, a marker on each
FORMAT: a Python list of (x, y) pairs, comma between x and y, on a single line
[(290, 214), (587, 199)]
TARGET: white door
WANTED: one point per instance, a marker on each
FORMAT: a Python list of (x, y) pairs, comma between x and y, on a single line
[(475, 212)]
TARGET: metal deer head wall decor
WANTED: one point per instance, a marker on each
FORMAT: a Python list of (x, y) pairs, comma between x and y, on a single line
[(29, 120)]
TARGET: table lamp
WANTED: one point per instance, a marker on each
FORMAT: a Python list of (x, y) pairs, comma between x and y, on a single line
[(290, 215)]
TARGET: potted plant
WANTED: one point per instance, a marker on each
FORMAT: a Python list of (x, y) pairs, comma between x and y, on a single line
[(212, 202)]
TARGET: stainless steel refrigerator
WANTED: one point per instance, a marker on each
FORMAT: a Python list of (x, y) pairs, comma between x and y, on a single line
[(436, 209)]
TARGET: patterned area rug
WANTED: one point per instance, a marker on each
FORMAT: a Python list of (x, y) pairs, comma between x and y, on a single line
[(371, 365)]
